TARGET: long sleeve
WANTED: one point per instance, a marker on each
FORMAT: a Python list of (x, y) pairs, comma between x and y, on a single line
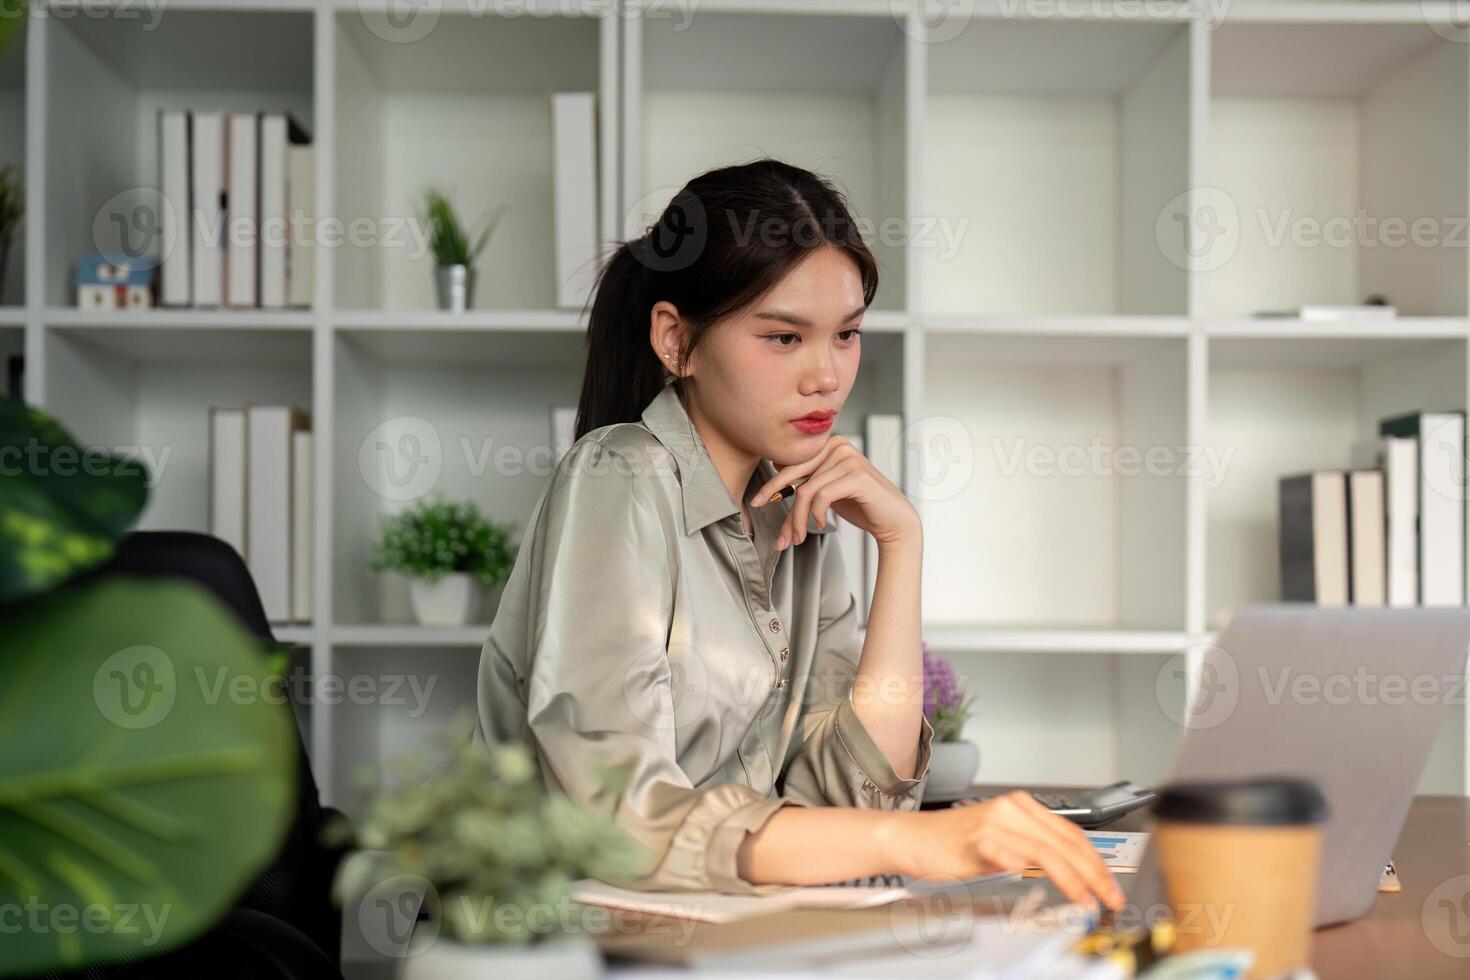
[(835, 762), (599, 691)]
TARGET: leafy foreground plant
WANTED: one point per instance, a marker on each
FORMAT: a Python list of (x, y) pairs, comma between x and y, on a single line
[(146, 776), (498, 853)]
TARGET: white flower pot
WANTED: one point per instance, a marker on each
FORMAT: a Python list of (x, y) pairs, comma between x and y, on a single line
[(952, 767), (569, 956), (452, 601)]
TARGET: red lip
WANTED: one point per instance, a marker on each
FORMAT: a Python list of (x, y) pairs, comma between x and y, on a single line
[(817, 416)]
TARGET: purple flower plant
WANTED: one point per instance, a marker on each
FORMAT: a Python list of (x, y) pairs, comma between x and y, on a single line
[(945, 703)]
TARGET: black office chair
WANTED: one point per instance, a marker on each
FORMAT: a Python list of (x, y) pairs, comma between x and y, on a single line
[(285, 924)]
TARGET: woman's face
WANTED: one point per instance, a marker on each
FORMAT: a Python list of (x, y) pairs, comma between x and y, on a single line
[(793, 352)]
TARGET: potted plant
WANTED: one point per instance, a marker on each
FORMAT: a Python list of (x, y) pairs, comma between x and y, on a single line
[(448, 551), (477, 862), (454, 255), (128, 788), (954, 760)]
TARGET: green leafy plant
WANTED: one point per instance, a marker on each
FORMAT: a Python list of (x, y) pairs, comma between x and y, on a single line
[(499, 851), (12, 21), (448, 236), (432, 538), (136, 789)]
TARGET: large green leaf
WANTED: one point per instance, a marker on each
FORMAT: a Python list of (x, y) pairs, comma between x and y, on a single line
[(62, 508), (12, 27), (148, 770)]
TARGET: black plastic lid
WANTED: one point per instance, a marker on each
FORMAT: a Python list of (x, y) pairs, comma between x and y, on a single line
[(1258, 802)]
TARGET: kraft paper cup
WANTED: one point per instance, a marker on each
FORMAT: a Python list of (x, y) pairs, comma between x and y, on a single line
[(1239, 859)]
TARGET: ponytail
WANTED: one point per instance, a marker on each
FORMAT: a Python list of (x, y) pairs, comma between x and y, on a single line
[(623, 373)]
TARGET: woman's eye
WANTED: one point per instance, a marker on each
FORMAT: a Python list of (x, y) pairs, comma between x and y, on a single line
[(777, 337), (852, 333)]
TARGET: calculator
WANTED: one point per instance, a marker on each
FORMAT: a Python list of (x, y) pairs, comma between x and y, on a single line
[(1095, 807)]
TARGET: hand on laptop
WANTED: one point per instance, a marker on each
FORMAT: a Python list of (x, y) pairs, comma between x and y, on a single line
[(1011, 832)]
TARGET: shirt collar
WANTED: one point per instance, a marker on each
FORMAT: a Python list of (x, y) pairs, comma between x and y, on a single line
[(706, 499)]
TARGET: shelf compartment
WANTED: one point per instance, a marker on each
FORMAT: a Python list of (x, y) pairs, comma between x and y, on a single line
[(391, 705), (107, 78), (1280, 406), (1335, 168), (426, 413), (149, 391), (1066, 455), (1052, 149), (464, 108), (829, 95)]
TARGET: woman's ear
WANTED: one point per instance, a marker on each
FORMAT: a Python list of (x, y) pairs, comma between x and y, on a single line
[(667, 335)]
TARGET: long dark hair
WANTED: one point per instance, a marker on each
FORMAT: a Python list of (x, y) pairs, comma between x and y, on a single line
[(725, 239)]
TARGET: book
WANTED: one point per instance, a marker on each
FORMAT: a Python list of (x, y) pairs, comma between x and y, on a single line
[(574, 195), (269, 492), (207, 207), (1401, 515), (227, 457), (1313, 534), (1440, 438), (301, 526), (563, 430), (242, 209), (278, 133), (301, 212), (1366, 549), (175, 277), (1366, 311)]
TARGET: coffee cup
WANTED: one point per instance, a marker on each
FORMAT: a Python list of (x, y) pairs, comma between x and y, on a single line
[(1239, 860)]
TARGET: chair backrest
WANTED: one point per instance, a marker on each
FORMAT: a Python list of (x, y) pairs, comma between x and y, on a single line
[(296, 886)]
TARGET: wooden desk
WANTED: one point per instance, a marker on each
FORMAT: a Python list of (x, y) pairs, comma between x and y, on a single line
[(1405, 935)]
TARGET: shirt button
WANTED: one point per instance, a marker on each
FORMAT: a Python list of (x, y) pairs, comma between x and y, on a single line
[(782, 682), (785, 652), (775, 626)]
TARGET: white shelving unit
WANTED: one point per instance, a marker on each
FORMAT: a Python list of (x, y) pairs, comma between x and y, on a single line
[(1056, 286)]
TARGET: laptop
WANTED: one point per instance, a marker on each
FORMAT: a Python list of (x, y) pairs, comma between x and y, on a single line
[(1328, 695)]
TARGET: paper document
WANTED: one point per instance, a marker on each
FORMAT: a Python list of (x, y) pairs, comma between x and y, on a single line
[(708, 906), (1121, 850)]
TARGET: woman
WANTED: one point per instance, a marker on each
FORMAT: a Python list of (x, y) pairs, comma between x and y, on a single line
[(671, 623)]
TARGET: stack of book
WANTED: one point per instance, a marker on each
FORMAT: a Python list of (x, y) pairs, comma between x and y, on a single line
[(260, 466), (240, 190), (1388, 531), (882, 433)]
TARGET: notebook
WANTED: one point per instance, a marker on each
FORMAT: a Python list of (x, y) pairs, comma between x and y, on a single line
[(1021, 936)]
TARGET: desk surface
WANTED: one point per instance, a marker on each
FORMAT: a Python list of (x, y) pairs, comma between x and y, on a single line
[(1421, 932)]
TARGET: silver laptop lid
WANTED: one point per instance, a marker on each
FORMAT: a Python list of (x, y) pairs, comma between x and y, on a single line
[(1349, 698)]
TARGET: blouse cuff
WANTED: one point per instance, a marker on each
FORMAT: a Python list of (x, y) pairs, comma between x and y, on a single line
[(721, 856), (872, 760), (703, 852)]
